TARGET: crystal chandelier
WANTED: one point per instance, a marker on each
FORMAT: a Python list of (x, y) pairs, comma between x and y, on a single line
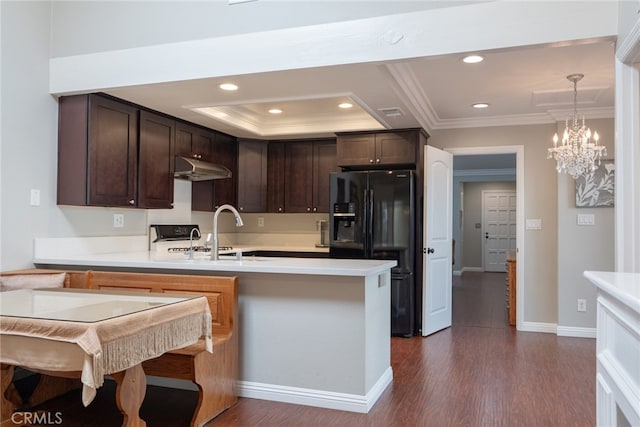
[(579, 150)]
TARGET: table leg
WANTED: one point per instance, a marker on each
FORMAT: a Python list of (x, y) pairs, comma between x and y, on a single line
[(131, 386)]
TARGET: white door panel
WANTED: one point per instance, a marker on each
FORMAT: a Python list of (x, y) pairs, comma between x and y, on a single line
[(499, 227), (437, 253)]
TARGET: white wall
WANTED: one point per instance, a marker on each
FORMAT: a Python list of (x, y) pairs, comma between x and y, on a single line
[(28, 134), (582, 248), (108, 25), (540, 202)]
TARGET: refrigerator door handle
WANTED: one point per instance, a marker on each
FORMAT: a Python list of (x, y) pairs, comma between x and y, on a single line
[(370, 223)]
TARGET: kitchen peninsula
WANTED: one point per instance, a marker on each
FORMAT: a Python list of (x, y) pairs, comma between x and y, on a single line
[(312, 331)]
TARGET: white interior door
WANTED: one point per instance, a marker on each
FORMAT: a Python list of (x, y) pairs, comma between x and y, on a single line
[(437, 253), (499, 228)]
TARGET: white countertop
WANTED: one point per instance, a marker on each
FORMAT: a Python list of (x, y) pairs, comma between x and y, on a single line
[(228, 263), (625, 287)]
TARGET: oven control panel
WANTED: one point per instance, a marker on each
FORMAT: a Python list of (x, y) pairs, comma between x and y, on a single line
[(166, 232)]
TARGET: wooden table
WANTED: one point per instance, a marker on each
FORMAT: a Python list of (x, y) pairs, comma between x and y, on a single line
[(87, 334)]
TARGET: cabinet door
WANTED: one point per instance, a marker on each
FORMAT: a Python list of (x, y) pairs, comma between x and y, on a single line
[(396, 148), (113, 148), (275, 177), (252, 176), (185, 140), (155, 163), (324, 162), (298, 177), (356, 150), (204, 144), (224, 152)]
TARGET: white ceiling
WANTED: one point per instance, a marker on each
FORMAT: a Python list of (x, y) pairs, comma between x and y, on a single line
[(523, 86)]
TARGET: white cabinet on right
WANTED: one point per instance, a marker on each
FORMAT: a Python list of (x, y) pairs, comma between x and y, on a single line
[(617, 348)]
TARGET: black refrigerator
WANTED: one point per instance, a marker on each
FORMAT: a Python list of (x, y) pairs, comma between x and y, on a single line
[(372, 217)]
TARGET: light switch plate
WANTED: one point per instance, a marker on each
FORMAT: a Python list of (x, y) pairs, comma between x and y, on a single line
[(534, 224), (35, 197), (586, 219)]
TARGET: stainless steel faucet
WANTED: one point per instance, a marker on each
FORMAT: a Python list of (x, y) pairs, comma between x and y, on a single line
[(191, 241), (239, 223)]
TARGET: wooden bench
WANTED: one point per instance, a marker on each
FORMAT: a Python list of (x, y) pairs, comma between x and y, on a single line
[(215, 373)]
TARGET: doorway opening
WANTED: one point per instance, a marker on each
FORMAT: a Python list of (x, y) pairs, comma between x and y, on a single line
[(488, 169)]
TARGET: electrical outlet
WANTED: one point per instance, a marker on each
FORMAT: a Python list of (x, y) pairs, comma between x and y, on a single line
[(582, 304), (260, 221), (118, 220)]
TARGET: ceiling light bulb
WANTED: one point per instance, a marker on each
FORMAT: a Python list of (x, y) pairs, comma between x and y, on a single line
[(345, 105), (480, 105), (472, 59), (275, 111), (228, 86)]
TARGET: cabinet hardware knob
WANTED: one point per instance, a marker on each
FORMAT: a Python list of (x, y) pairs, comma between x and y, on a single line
[(132, 202), (377, 160), (315, 209), (216, 206), (370, 160), (308, 209), (241, 208), (430, 250), (280, 209)]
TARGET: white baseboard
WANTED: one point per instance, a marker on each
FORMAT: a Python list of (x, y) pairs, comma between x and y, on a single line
[(575, 331), (474, 269), (296, 395), (457, 272), (317, 398), (547, 328), (561, 331)]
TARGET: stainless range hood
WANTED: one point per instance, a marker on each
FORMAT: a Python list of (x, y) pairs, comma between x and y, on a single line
[(198, 170)]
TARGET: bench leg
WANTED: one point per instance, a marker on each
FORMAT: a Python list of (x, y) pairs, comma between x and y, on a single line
[(131, 386), (216, 386)]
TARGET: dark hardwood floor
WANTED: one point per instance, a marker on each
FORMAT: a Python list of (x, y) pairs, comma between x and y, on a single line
[(479, 372)]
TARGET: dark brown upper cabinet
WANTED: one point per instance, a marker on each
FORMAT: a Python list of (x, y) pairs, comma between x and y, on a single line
[(275, 176), (225, 152), (193, 141), (155, 165), (307, 168), (111, 153), (196, 143), (378, 149), (324, 162), (252, 176)]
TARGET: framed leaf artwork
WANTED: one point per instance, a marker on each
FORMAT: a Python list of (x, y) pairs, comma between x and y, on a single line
[(596, 189)]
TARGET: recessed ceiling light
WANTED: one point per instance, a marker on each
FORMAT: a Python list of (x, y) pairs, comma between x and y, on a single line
[(345, 105), (472, 59), (480, 105), (228, 86), (275, 111)]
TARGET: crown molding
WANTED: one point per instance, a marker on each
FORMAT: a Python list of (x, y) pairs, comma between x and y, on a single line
[(409, 89), (628, 51)]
